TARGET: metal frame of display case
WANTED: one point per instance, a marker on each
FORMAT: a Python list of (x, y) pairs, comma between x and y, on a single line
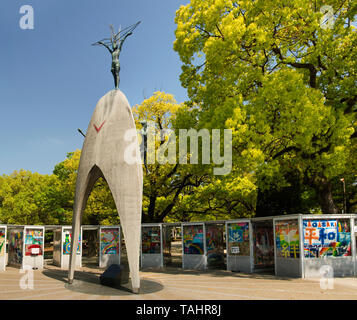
[(165, 227), (3, 258), (311, 267), (154, 260), (59, 258), (111, 259), (240, 263), (257, 220), (194, 261), (89, 227), (33, 261), (343, 265), (212, 263), (339, 270), (291, 267)]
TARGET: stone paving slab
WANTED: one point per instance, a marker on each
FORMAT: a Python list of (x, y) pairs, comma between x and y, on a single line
[(171, 284)]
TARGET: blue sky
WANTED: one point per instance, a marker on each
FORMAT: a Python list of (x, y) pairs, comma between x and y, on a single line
[(51, 77)]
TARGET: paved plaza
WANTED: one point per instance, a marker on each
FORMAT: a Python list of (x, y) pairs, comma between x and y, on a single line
[(170, 284)]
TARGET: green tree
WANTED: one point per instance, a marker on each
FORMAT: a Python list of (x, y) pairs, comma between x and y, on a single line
[(165, 184), (31, 198), (100, 209), (283, 82), (217, 197)]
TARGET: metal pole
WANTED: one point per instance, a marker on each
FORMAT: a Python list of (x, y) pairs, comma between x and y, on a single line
[(205, 266), (183, 248), (80, 131), (344, 195), (301, 246), (251, 246), (161, 246), (227, 245), (275, 257), (353, 243)]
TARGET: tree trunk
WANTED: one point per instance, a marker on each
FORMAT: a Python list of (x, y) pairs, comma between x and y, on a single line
[(151, 210), (260, 209), (324, 196)]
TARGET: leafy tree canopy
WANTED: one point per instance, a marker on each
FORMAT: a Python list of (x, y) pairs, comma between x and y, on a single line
[(284, 83)]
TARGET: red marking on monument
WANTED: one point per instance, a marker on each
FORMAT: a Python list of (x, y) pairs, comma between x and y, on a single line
[(98, 129)]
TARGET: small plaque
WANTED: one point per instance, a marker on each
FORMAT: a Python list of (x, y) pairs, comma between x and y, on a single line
[(35, 251), (235, 250)]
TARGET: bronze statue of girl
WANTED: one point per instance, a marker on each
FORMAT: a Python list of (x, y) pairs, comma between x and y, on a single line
[(114, 46)]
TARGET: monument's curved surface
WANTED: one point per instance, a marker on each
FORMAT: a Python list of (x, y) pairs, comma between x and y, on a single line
[(103, 155)]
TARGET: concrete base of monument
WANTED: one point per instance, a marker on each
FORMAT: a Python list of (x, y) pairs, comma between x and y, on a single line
[(90, 288), (136, 290), (87, 282)]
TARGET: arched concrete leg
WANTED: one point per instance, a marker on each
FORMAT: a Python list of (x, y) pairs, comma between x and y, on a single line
[(84, 187), (126, 187)]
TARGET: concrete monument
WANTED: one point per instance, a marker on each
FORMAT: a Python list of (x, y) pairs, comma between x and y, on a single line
[(103, 155)]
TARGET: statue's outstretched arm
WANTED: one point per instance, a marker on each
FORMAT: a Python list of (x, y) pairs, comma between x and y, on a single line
[(103, 44), (122, 42)]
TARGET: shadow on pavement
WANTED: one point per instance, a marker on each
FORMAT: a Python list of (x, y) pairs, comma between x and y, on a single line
[(89, 283), (268, 275)]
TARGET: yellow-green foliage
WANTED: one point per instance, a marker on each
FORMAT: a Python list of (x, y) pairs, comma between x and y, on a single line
[(285, 85)]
